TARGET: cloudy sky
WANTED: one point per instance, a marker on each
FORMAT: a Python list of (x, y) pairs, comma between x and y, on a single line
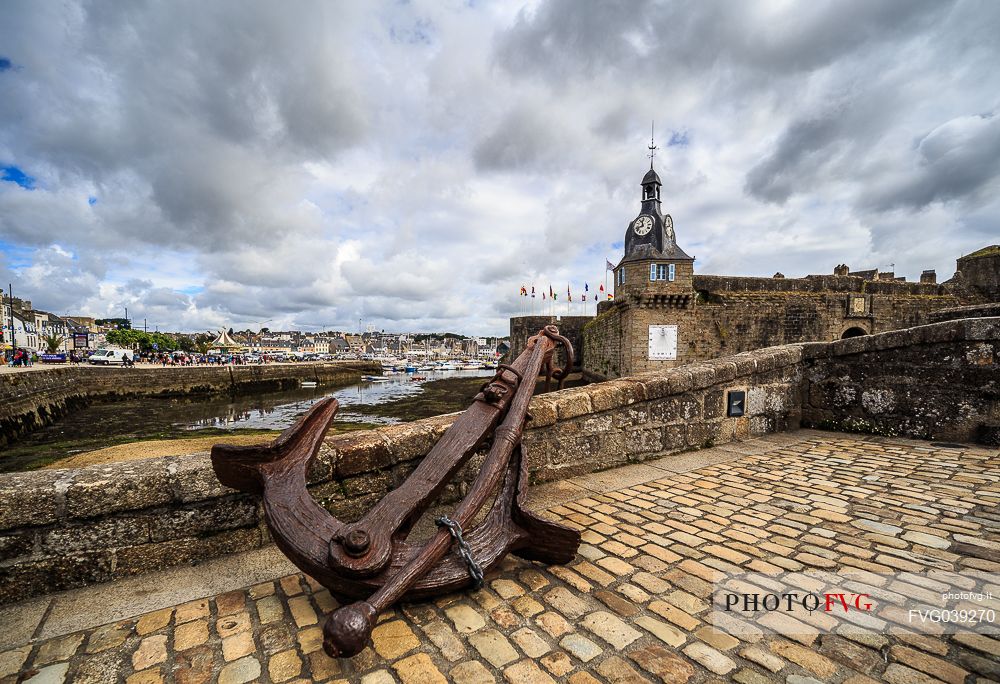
[(412, 164)]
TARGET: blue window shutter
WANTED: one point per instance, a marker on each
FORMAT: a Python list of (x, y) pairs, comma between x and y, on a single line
[(652, 271), (672, 272)]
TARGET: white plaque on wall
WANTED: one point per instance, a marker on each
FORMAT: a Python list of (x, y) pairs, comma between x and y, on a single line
[(662, 342)]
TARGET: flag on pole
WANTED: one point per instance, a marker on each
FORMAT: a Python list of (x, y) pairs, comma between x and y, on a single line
[(608, 265), (596, 298), (532, 291), (551, 296), (524, 291), (610, 296), (586, 288), (543, 296), (602, 288)]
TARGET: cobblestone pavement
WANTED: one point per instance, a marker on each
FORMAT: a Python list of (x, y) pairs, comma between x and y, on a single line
[(635, 605)]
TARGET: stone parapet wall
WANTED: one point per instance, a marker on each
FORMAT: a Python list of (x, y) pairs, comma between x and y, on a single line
[(67, 528), (974, 311), (32, 399), (815, 283), (939, 381)]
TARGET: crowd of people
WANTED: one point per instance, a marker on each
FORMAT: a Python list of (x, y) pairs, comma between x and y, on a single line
[(20, 358)]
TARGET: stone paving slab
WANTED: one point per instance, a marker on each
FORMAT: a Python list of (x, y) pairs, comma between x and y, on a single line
[(692, 460), (20, 622), (634, 605), (74, 610), (609, 480)]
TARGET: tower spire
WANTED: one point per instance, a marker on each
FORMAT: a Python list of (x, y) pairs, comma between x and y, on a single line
[(652, 145)]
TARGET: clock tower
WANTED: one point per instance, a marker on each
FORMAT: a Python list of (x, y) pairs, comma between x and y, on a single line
[(653, 263), (648, 324)]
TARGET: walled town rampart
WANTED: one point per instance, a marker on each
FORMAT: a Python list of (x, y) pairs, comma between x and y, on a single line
[(66, 528), (33, 399), (980, 273), (735, 314)]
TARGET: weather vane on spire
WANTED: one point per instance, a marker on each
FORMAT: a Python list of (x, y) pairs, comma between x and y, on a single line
[(651, 146)]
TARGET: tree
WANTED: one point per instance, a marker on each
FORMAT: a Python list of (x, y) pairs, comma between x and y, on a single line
[(203, 341), (144, 341), (53, 342)]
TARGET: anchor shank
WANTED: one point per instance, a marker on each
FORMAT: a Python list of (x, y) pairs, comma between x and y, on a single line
[(400, 508), (507, 437)]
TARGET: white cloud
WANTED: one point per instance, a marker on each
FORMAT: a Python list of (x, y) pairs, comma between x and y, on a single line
[(414, 164)]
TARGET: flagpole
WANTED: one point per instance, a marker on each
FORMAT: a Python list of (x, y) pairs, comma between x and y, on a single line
[(606, 262)]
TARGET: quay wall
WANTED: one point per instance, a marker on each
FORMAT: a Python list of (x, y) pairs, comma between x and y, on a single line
[(67, 528), (33, 399)]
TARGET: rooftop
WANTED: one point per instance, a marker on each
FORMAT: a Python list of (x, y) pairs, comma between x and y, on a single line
[(908, 520)]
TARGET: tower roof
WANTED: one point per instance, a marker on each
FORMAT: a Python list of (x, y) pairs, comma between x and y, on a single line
[(670, 252), (651, 177)]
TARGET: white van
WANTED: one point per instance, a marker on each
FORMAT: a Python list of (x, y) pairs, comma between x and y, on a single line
[(109, 357)]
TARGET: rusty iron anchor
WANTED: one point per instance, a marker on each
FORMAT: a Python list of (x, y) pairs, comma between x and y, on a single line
[(371, 559)]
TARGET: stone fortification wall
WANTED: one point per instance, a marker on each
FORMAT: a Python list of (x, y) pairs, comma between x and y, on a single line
[(523, 327), (33, 399), (939, 381), (736, 314), (66, 528), (608, 345), (981, 272)]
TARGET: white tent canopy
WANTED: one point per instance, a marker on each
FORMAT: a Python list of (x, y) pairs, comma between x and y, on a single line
[(224, 341)]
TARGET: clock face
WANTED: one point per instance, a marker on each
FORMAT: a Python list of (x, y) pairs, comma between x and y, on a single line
[(643, 224)]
